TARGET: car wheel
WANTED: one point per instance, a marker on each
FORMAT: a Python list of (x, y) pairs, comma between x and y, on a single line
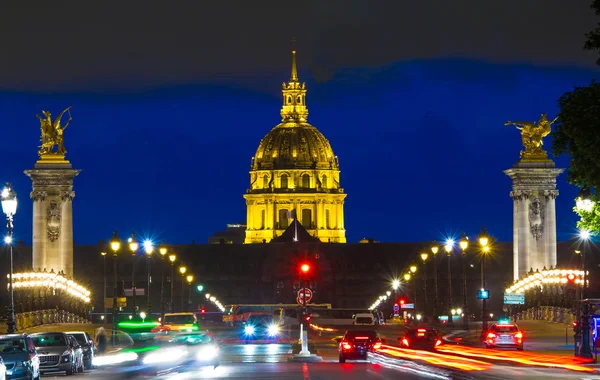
[(342, 359)]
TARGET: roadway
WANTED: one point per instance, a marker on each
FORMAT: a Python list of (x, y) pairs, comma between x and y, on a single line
[(263, 360)]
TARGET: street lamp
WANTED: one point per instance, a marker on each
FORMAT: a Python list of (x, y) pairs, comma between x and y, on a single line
[(104, 287), (189, 279), (463, 243), (586, 351), (162, 249), (115, 246), (182, 270), (484, 240), (424, 257), (448, 248), (172, 259), (133, 247), (584, 200), (9, 207), (434, 250), (148, 249), (413, 270)]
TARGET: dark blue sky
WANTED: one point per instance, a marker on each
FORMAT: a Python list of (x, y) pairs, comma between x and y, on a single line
[(421, 145)]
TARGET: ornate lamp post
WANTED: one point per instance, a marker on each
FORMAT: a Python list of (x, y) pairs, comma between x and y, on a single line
[(424, 257), (484, 240), (434, 250), (9, 207), (172, 259), (115, 246), (148, 249), (395, 286), (163, 251), (464, 244), (586, 350), (448, 248), (182, 270), (406, 278), (189, 279), (104, 287), (133, 247), (413, 270)]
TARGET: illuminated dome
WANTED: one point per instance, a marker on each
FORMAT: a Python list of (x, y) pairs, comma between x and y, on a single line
[(292, 145)]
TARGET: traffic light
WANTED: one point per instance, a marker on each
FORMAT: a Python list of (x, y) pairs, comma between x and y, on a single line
[(305, 268), (200, 288), (571, 278), (203, 310), (576, 327), (402, 301), (307, 318)]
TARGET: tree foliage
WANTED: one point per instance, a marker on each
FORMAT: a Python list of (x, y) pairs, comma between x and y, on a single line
[(593, 37)]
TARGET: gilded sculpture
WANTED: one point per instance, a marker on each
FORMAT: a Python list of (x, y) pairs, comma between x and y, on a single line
[(532, 134), (53, 134)]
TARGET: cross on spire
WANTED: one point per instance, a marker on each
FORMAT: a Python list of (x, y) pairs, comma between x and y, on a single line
[(294, 77)]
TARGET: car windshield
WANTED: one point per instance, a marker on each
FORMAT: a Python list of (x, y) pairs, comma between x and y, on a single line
[(81, 338), (506, 328), (368, 333), (364, 319), (179, 319), (11, 345), (260, 320), (49, 340)]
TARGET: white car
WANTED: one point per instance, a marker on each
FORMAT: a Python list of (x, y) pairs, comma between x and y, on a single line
[(364, 319)]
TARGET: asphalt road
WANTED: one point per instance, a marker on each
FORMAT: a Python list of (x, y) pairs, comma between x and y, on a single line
[(263, 360)]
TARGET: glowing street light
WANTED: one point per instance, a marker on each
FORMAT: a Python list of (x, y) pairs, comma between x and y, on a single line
[(434, 250), (484, 240), (395, 284), (448, 248), (9, 207), (464, 244), (584, 200)]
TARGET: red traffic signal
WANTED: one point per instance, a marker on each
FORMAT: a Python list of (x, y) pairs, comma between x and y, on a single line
[(307, 318), (305, 268), (401, 302), (571, 277), (203, 311)]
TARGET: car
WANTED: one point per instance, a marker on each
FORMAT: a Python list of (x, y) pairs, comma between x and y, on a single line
[(88, 346), (2, 369), (179, 322), (55, 351), (364, 319), (501, 335), (20, 357), (420, 338), (261, 326), (78, 350), (356, 344)]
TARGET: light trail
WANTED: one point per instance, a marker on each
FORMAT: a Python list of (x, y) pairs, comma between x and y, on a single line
[(527, 358), (437, 359)]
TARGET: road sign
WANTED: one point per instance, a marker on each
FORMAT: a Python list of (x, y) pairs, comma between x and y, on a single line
[(483, 294), (514, 299), (408, 306), (396, 308), (138, 292), (308, 295)]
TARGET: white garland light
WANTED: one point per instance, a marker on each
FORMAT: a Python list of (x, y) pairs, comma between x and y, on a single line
[(50, 280), (547, 276)]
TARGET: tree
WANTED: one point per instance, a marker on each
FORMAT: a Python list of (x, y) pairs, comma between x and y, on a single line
[(577, 134)]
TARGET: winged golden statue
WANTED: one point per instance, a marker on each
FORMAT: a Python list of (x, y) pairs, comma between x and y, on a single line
[(532, 134), (53, 134)]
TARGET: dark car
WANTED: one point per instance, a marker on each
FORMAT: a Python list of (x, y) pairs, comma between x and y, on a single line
[(356, 344), (55, 352), (260, 326), (20, 357), (87, 345), (421, 338)]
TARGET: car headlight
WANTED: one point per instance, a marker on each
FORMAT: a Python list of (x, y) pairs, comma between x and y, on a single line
[(273, 330), (161, 356), (249, 330), (114, 359), (67, 352), (207, 353)]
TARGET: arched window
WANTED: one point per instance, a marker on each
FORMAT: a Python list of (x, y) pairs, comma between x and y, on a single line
[(299, 100), (305, 181), (324, 182), (283, 220), (289, 100), (265, 181), (284, 181), (306, 218)]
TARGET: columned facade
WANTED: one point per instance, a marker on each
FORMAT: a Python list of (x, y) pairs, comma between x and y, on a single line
[(294, 175)]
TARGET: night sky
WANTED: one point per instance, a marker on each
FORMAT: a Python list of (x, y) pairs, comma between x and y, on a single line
[(171, 101)]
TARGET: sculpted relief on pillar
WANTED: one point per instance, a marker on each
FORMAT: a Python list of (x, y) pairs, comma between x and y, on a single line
[(536, 218), (53, 216)]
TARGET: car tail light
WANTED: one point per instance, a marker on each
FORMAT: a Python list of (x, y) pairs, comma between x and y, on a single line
[(421, 330), (405, 342), (377, 346), (438, 342), (361, 338), (519, 335), (346, 345), (491, 336)]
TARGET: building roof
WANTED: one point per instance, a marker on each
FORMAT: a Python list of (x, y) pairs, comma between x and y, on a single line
[(295, 233)]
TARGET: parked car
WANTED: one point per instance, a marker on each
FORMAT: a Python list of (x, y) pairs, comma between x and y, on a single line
[(2, 369), (55, 351), (20, 359), (88, 346)]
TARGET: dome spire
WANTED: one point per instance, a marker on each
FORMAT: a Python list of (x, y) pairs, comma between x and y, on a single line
[(294, 77), (294, 96)]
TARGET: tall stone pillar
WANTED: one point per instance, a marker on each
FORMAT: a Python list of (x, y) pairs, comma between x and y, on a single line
[(534, 215), (52, 195)]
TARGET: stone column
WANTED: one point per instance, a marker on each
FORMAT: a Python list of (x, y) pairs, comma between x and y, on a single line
[(534, 215), (52, 195)]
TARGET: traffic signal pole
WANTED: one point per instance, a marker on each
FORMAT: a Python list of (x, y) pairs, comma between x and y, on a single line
[(304, 325)]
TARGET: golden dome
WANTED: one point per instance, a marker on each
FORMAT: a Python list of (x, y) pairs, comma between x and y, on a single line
[(294, 146)]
